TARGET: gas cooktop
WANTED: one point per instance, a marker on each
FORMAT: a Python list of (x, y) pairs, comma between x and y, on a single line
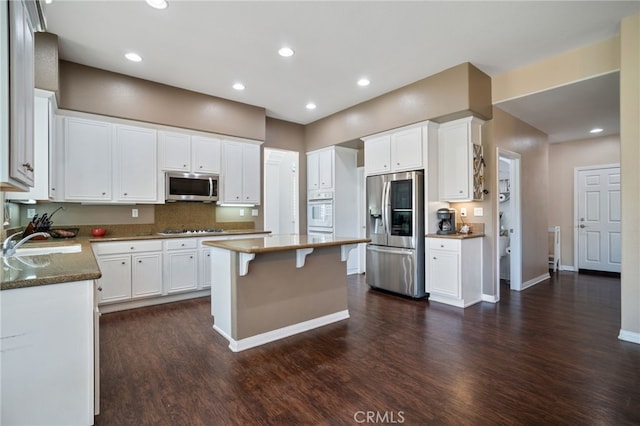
[(192, 231)]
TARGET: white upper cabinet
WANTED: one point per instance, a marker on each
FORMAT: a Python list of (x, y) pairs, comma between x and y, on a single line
[(136, 164), (43, 134), (406, 149), (176, 151), (18, 20), (105, 162), (395, 151), (460, 163), (189, 153), (320, 165), (87, 160), (205, 155), (240, 174)]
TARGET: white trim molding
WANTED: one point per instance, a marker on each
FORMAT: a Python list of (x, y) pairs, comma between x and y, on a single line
[(629, 336), (281, 333), (490, 298), (535, 281)]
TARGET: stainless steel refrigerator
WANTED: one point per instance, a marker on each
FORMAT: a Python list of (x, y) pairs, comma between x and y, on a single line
[(395, 225)]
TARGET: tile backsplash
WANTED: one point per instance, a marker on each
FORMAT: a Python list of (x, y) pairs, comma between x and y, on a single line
[(118, 219)]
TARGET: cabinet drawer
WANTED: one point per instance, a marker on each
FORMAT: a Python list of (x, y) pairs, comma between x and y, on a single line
[(126, 246), (443, 244), (181, 244)]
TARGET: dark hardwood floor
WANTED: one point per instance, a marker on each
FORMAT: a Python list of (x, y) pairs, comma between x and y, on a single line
[(546, 356)]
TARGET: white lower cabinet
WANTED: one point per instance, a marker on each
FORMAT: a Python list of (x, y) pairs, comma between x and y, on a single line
[(181, 265), (454, 270), (205, 268), (130, 269), (48, 364), (138, 273)]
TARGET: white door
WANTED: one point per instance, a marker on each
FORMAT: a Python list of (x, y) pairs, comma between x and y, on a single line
[(281, 198), (598, 220)]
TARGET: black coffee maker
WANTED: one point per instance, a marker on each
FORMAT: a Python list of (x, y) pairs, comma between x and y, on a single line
[(447, 221)]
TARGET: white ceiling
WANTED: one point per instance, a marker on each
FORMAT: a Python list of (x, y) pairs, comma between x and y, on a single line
[(206, 46)]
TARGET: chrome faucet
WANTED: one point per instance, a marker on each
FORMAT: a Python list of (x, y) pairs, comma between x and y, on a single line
[(9, 246)]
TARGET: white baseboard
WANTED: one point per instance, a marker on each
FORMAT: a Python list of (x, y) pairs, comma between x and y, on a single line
[(489, 298), (568, 268), (629, 336), (141, 303), (281, 333), (535, 281)]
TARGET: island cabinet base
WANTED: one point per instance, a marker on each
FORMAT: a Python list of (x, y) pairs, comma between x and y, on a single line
[(277, 297)]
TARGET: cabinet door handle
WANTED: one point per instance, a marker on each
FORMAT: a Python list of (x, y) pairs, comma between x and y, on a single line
[(28, 166), (100, 288), (132, 248), (139, 261), (434, 258), (125, 194), (124, 263)]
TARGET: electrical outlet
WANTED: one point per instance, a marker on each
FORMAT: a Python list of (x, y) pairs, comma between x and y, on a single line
[(254, 212), (241, 212), (31, 213), (478, 211), (463, 212), (134, 212)]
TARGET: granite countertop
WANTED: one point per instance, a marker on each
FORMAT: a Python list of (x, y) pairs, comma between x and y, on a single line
[(282, 242), (456, 236), (36, 270), (158, 236)]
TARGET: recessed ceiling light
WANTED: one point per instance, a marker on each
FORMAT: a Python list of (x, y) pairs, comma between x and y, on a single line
[(238, 86), (286, 52), (311, 105), (48, 1), (157, 4), (363, 82), (133, 57), (596, 130)]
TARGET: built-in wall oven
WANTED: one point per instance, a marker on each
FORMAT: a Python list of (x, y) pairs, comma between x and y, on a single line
[(320, 213)]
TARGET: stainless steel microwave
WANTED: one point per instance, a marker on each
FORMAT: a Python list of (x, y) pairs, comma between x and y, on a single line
[(191, 187)]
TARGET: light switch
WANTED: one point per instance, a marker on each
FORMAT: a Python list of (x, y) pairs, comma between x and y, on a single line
[(478, 211), (254, 212), (134, 212), (31, 213), (241, 212)]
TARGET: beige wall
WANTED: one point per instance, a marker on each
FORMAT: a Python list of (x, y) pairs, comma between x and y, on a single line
[(563, 159), (576, 65), (630, 168), (459, 91), (97, 91), (46, 61), (512, 134)]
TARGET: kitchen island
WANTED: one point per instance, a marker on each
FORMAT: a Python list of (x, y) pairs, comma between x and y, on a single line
[(264, 289)]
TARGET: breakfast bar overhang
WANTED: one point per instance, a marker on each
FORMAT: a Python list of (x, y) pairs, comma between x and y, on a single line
[(265, 289)]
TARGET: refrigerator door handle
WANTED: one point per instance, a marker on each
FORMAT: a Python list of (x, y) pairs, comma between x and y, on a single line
[(386, 214), (390, 250)]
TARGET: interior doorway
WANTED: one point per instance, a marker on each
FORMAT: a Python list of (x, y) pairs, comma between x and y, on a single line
[(508, 221), (281, 210), (597, 240)]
